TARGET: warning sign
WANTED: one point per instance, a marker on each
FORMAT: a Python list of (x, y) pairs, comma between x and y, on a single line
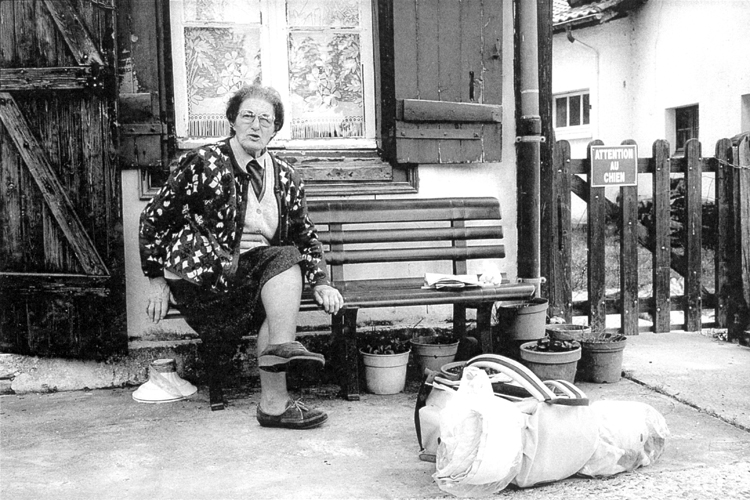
[(614, 166)]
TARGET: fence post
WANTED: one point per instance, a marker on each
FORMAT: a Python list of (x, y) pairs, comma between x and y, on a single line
[(629, 256), (742, 160), (597, 211), (724, 249), (693, 244), (557, 226), (662, 245)]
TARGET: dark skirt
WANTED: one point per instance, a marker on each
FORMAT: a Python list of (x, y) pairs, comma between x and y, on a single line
[(221, 319)]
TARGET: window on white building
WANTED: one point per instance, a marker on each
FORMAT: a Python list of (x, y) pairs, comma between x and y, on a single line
[(317, 53), (572, 110), (686, 126)]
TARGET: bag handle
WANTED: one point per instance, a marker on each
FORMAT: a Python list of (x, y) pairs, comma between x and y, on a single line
[(566, 388), (572, 395), (516, 371), (529, 381)]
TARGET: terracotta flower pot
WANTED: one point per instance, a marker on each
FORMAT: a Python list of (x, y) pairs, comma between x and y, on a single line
[(551, 365), (567, 332), (430, 355), (522, 320), (385, 373), (601, 360)]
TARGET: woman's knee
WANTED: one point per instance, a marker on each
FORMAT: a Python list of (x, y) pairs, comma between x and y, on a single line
[(292, 275)]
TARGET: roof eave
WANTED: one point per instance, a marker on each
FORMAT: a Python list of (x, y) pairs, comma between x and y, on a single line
[(589, 20)]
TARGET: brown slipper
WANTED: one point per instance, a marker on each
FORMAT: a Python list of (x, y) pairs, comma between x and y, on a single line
[(296, 416)]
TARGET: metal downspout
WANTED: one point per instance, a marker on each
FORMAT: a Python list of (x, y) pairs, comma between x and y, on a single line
[(528, 147)]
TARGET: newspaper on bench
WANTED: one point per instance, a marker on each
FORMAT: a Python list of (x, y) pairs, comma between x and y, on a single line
[(438, 281)]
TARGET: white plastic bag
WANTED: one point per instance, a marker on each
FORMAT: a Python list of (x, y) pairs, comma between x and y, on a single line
[(631, 435), (480, 448)]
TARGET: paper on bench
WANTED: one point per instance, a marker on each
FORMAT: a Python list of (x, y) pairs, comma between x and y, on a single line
[(438, 281)]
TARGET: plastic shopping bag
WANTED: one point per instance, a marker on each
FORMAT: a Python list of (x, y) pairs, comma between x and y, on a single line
[(631, 435), (480, 450), (559, 435)]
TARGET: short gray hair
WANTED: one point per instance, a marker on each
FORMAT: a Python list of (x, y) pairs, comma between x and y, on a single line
[(268, 94)]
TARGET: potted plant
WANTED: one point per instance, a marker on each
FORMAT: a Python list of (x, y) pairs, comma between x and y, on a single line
[(567, 331), (552, 359), (433, 351), (601, 357), (385, 358)]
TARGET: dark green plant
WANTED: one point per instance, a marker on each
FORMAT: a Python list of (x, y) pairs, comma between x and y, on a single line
[(548, 345), (386, 344), (439, 338)]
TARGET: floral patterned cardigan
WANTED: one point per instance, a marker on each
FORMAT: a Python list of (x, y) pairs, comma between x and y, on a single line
[(193, 225)]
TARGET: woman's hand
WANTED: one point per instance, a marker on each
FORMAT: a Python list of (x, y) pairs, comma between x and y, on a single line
[(329, 298), (158, 299)]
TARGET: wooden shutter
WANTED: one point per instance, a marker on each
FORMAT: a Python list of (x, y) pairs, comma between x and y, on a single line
[(61, 258), (143, 103), (448, 86)]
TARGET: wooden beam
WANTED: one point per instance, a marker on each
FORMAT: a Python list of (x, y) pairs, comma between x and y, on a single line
[(345, 172), (421, 110), (62, 78), (74, 32), (629, 257), (66, 284), (58, 202), (692, 244), (743, 162), (597, 206), (410, 131)]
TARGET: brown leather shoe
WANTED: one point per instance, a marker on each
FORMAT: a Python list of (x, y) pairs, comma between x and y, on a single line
[(296, 416), (276, 357)]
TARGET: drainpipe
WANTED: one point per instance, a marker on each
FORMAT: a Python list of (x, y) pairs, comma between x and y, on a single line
[(569, 32), (529, 137)]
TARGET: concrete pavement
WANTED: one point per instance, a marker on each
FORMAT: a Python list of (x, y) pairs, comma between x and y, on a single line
[(102, 445)]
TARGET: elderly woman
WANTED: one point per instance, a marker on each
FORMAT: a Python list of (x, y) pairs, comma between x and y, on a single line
[(228, 239)]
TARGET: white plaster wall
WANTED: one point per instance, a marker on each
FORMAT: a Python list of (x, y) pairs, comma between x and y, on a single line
[(435, 181), (668, 54), (691, 52), (135, 283), (596, 61)]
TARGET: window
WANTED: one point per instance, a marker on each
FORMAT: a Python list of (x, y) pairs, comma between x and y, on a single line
[(686, 126), (572, 110), (317, 53)]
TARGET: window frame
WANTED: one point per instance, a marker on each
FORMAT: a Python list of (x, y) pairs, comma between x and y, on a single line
[(321, 179), (693, 130), (573, 131), (272, 20)]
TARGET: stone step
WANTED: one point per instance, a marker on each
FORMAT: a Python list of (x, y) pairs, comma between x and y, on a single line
[(27, 374)]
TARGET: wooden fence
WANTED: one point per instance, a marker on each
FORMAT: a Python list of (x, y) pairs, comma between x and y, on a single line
[(731, 296)]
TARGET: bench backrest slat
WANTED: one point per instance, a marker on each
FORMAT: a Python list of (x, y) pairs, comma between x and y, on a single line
[(415, 254), (412, 235), (359, 211)]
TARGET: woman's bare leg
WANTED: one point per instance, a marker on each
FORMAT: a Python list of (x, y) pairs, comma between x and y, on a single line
[(281, 298)]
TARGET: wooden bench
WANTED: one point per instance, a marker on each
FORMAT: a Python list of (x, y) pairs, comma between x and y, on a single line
[(370, 232)]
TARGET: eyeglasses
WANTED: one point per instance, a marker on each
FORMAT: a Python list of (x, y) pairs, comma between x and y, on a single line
[(248, 117)]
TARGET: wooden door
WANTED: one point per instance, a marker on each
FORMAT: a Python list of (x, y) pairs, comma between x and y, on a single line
[(61, 252)]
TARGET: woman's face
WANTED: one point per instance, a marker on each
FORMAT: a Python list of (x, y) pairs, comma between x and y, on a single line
[(254, 125)]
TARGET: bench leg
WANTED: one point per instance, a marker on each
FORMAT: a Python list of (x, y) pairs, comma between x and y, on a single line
[(216, 364), (344, 328), (459, 321), (484, 329)]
